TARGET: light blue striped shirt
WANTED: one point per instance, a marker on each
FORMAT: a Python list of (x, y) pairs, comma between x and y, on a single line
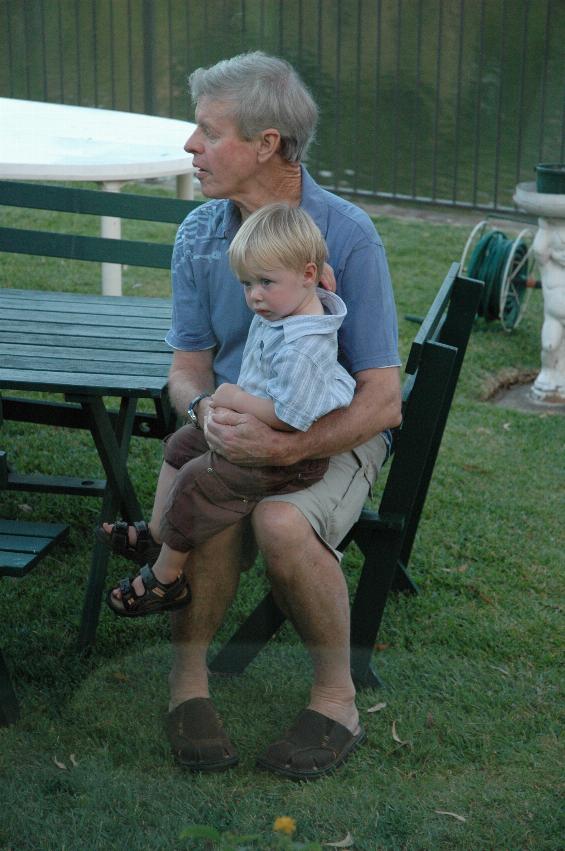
[(293, 362)]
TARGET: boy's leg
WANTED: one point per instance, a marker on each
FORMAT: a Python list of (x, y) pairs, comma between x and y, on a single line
[(180, 447)]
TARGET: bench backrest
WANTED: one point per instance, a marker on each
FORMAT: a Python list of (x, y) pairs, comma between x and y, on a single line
[(92, 202), (385, 537)]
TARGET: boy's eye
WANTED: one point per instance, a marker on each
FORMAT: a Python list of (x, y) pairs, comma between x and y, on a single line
[(265, 282), (245, 284)]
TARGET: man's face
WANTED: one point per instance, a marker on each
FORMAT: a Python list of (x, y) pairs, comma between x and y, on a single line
[(226, 163)]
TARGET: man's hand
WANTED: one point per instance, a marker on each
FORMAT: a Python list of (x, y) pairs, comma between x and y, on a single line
[(327, 278), (241, 438)]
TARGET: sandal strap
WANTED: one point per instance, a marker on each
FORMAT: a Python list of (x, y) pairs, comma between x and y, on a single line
[(144, 536), (127, 592), (119, 535)]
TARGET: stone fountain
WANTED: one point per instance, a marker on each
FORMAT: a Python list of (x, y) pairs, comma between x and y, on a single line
[(549, 250)]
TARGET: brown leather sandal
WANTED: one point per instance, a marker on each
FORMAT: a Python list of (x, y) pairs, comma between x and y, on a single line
[(197, 737), (157, 596), (145, 550), (313, 747)]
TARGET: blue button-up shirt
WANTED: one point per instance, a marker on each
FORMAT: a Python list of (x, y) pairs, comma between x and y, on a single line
[(293, 362), (209, 308)]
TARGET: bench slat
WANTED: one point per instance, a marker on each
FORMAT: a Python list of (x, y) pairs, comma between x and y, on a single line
[(94, 202)]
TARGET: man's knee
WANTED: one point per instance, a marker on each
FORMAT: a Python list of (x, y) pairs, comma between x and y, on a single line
[(277, 523)]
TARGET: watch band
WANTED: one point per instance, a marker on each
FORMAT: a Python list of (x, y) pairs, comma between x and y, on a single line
[(192, 408)]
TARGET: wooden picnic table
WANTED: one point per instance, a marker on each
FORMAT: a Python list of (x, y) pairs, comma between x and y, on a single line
[(94, 350)]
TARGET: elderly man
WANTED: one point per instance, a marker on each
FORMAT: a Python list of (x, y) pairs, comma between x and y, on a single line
[(255, 119)]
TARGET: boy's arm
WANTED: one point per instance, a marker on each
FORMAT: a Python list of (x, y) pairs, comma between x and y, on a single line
[(233, 397)]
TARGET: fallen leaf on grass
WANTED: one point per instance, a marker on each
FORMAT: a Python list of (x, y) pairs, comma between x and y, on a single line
[(377, 707), (73, 760), (25, 507), (502, 670), (60, 765), (396, 737), (506, 426), (453, 815), (430, 720), (120, 677), (347, 842), (381, 647), (463, 568)]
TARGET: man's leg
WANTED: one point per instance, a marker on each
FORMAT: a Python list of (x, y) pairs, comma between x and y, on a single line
[(310, 588), (195, 731), (213, 570)]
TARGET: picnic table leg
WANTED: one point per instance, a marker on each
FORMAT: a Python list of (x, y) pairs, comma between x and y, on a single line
[(9, 709), (113, 446)]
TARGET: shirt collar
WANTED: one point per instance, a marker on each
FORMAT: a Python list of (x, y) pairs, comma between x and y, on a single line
[(295, 327), (313, 201)]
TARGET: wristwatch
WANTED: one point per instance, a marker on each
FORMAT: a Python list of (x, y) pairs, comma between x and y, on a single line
[(192, 408)]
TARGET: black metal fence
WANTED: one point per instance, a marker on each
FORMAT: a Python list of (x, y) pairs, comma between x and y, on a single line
[(450, 101)]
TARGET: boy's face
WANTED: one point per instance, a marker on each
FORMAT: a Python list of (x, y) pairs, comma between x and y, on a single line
[(276, 293)]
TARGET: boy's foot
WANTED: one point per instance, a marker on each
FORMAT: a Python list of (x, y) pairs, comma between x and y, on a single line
[(134, 542), (146, 595)]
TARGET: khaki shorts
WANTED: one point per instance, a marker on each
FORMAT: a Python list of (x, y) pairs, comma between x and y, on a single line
[(334, 504)]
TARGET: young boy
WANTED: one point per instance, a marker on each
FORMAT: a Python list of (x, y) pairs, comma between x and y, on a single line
[(289, 378)]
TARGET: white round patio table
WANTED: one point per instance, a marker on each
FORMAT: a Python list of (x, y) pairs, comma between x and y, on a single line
[(52, 141)]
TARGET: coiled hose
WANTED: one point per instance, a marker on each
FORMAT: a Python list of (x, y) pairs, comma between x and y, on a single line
[(488, 262)]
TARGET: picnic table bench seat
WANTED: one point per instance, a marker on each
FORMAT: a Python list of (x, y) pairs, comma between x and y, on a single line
[(22, 546)]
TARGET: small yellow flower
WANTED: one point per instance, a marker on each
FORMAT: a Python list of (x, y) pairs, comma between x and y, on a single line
[(285, 824)]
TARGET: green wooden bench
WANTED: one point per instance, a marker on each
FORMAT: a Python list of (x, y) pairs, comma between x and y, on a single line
[(22, 546), (386, 537), (73, 413), (93, 202)]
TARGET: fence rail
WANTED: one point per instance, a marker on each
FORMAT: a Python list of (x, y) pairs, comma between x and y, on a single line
[(436, 101)]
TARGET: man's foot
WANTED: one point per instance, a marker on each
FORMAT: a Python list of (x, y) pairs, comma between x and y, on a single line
[(134, 542), (314, 746), (147, 595), (197, 737)]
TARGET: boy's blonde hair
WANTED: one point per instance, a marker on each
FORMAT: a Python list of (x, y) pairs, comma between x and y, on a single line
[(277, 236)]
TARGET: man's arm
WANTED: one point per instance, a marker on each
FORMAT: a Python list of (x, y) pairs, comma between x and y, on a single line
[(375, 407), (234, 397), (191, 373)]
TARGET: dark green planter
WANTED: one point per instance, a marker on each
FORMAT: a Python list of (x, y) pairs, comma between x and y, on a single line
[(551, 178)]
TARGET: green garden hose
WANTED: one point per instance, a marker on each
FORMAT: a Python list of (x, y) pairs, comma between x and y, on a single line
[(488, 263)]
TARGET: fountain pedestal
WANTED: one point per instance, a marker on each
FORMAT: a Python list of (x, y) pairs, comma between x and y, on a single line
[(549, 250)]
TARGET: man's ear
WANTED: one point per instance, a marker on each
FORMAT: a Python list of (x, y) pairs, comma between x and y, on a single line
[(269, 142)]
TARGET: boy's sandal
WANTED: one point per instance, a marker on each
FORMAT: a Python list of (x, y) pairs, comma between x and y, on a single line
[(157, 597), (145, 550)]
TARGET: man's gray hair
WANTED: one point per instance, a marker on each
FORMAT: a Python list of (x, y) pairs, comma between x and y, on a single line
[(266, 92)]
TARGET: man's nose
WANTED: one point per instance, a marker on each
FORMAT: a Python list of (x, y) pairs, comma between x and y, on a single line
[(191, 144)]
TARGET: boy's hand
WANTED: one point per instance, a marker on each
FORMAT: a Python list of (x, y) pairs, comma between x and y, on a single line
[(225, 396)]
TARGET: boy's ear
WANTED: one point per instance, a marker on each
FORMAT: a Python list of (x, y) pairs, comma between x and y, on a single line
[(269, 142), (311, 275)]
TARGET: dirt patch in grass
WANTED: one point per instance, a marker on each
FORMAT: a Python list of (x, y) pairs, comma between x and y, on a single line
[(512, 388)]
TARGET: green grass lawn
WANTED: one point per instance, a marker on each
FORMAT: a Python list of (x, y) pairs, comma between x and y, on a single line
[(471, 665)]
